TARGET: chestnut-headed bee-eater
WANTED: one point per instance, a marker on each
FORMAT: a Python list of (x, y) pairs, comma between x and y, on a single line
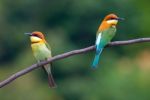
[(105, 33), (41, 51)]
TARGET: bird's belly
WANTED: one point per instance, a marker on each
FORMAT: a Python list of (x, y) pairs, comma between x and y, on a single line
[(40, 51)]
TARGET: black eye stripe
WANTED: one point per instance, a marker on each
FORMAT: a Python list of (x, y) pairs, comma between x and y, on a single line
[(35, 35), (113, 19)]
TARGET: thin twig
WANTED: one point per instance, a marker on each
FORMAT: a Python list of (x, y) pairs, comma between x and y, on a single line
[(65, 55)]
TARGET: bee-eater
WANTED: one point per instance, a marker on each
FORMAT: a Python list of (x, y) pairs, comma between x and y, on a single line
[(41, 51), (105, 33)]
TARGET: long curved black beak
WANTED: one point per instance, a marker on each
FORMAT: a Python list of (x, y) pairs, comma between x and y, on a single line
[(30, 34)]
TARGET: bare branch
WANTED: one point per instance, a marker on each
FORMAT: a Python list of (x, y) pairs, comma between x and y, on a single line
[(65, 55)]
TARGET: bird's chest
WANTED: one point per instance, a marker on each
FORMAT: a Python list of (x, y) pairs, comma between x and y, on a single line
[(109, 33), (40, 51)]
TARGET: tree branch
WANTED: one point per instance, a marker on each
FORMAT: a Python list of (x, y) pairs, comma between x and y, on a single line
[(65, 55)]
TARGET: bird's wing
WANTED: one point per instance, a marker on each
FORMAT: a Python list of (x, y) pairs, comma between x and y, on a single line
[(105, 36), (98, 42), (98, 38), (48, 46), (49, 53)]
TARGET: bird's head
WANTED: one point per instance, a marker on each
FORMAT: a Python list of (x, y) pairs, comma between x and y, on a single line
[(109, 21), (112, 19), (36, 37)]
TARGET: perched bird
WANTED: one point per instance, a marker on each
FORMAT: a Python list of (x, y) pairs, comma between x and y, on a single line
[(41, 51), (105, 33)]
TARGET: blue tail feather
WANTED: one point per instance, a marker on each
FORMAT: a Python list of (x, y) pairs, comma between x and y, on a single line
[(96, 59)]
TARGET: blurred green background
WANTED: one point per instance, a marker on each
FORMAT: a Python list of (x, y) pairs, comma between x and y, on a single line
[(123, 72)]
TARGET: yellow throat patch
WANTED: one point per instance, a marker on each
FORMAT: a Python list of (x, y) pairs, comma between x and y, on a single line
[(112, 22), (35, 39)]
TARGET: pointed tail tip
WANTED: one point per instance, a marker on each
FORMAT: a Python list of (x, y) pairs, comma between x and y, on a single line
[(94, 64), (51, 81), (52, 86)]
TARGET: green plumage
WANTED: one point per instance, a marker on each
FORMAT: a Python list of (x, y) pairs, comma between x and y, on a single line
[(41, 53), (106, 36), (102, 39)]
